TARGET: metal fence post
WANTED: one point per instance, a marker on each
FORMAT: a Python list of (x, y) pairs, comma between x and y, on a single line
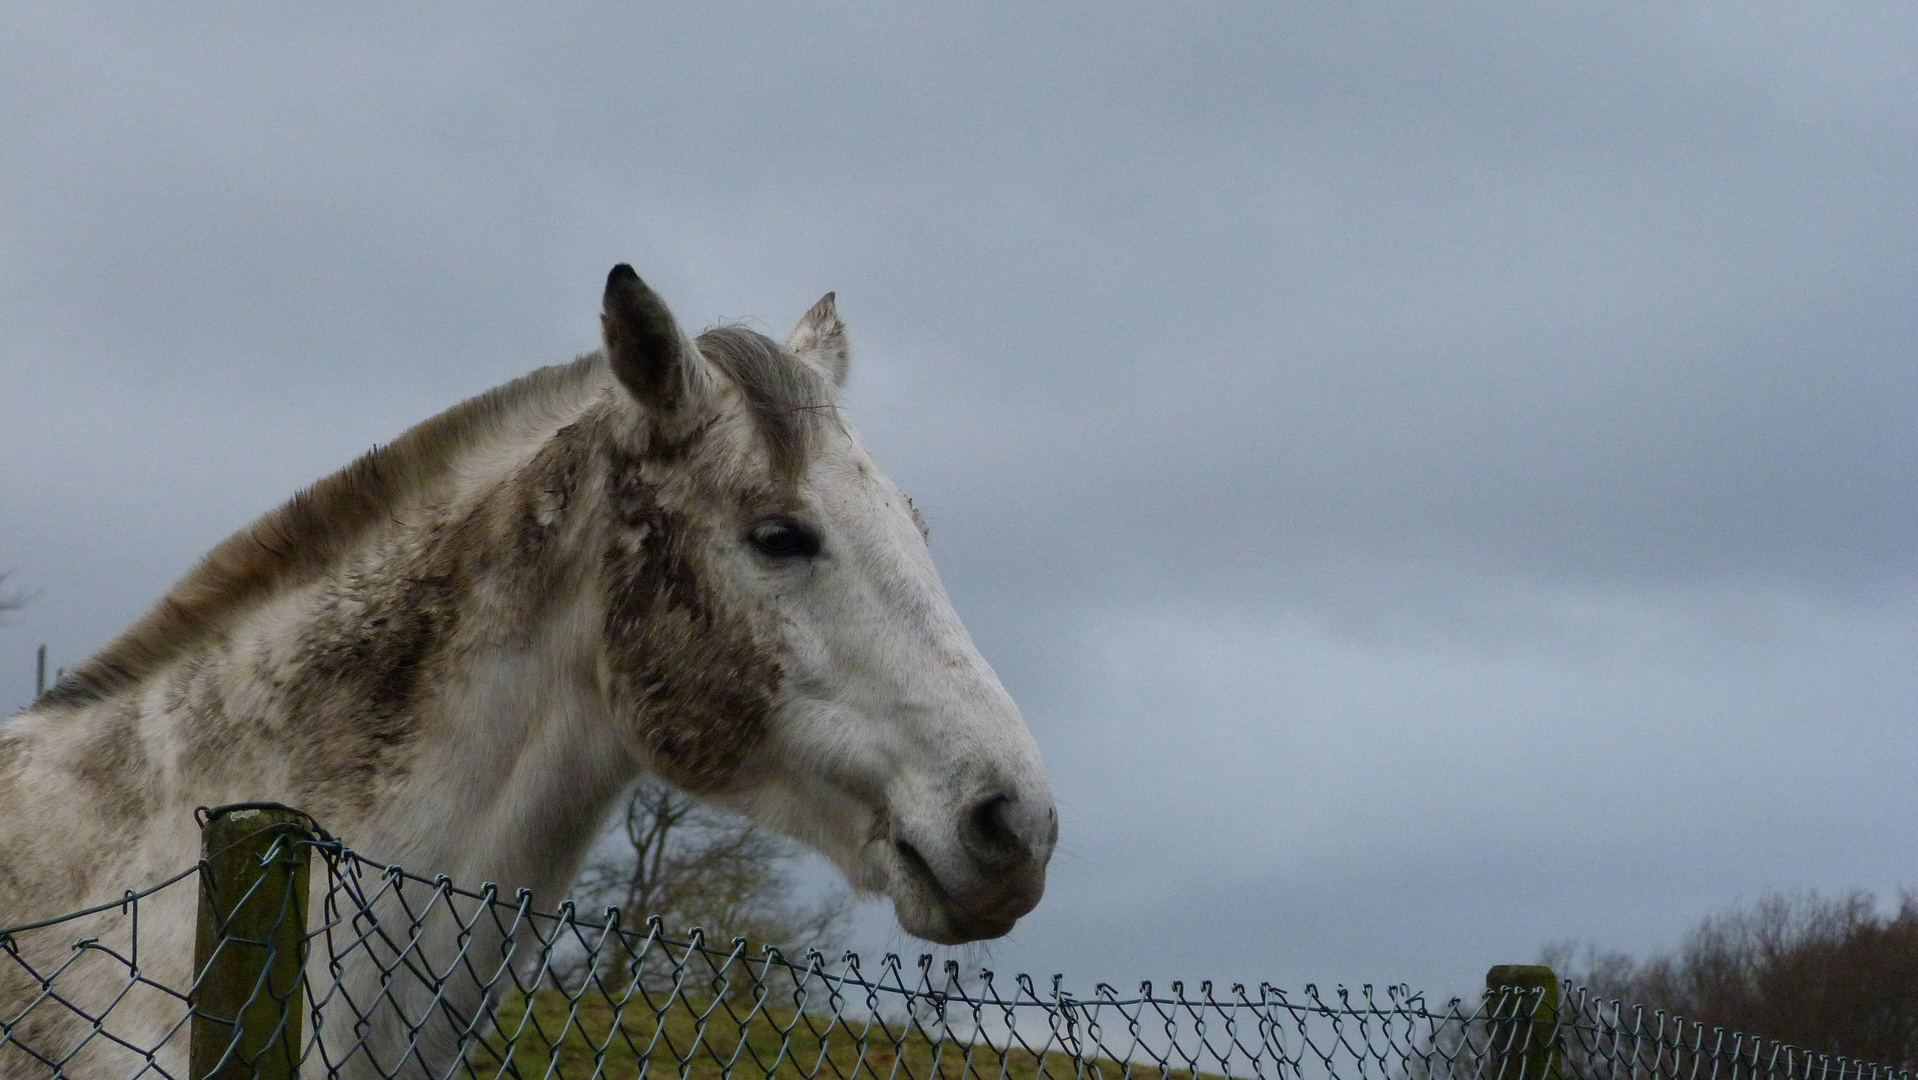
[(250, 955), (1524, 1011)]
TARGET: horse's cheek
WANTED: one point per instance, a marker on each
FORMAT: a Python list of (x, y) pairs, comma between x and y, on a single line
[(688, 671)]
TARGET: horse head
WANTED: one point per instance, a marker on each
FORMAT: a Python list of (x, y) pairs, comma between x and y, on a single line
[(775, 637)]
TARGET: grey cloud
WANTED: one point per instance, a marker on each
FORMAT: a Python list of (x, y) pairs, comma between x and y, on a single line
[(1495, 355)]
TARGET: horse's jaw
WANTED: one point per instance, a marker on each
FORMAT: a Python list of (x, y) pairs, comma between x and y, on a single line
[(957, 833)]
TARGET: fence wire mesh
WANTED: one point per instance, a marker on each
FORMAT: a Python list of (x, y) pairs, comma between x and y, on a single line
[(411, 976)]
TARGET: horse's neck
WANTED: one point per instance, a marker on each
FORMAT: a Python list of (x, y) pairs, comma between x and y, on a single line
[(438, 699), (516, 768)]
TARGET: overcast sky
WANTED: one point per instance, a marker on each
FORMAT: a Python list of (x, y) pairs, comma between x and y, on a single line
[(1440, 479)]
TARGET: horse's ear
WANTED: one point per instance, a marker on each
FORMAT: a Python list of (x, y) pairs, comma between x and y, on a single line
[(820, 340), (653, 359)]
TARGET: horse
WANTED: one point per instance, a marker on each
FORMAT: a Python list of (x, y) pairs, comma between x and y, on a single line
[(670, 557)]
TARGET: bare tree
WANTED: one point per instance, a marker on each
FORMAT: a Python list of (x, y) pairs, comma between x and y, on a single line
[(1836, 976), (695, 866)]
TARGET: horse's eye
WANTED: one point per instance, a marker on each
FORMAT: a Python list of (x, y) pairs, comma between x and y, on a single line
[(784, 538)]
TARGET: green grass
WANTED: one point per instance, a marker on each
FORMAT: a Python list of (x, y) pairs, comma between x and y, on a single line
[(707, 1040)]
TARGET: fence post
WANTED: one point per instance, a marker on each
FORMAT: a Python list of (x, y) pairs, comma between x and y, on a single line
[(1524, 1004), (250, 954)]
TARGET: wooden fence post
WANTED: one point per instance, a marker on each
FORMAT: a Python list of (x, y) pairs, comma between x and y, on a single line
[(250, 956), (1523, 1002)]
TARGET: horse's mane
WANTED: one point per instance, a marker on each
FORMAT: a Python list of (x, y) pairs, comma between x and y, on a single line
[(310, 531), (291, 544)]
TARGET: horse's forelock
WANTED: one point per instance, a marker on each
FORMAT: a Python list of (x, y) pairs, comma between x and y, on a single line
[(785, 395)]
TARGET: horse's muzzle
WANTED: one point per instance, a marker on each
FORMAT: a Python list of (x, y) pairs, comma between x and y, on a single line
[(975, 881)]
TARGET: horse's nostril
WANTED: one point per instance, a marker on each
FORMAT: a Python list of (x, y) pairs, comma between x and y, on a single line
[(989, 832)]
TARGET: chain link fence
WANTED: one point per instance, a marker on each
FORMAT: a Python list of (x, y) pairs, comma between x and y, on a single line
[(307, 959)]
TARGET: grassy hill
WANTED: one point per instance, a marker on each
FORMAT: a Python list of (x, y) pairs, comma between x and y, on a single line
[(705, 1040)]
